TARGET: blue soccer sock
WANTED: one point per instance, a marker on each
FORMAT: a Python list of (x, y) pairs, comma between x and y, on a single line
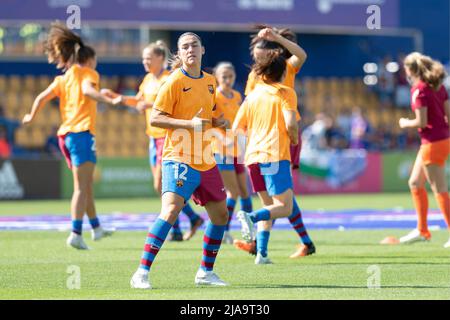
[(176, 229), (77, 226), (155, 239), (231, 203), (297, 223), (259, 215), (246, 204), (187, 210), (95, 223), (211, 245), (262, 242)]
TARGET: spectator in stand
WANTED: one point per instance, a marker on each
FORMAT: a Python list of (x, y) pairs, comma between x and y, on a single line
[(358, 130), (5, 147)]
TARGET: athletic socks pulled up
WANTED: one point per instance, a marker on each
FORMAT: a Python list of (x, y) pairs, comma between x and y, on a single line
[(155, 239), (211, 245)]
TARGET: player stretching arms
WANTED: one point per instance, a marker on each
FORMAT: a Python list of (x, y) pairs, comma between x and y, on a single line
[(78, 93), (184, 107), (268, 117), (430, 103), (154, 58), (226, 147), (296, 57)]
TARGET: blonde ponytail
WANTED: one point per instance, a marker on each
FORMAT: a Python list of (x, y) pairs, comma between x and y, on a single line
[(428, 70)]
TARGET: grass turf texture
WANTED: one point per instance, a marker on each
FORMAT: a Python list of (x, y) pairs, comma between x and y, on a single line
[(33, 265)]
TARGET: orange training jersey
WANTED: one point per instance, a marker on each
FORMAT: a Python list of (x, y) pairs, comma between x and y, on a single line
[(182, 97), (261, 116), (78, 112), (289, 80), (229, 107), (149, 89)]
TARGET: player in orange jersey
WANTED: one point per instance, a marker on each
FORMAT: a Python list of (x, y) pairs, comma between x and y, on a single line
[(77, 90), (154, 58), (267, 117), (227, 149), (184, 106), (431, 106), (266, 40)]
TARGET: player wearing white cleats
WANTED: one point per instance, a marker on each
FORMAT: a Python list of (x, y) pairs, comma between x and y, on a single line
[(412, 237), (262, 260), (76, 241), (140, 280), (101, 232), (208, 278), (447, 244), (246, 226)]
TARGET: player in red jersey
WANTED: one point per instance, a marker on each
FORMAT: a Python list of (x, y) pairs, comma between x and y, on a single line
[(430, 103)]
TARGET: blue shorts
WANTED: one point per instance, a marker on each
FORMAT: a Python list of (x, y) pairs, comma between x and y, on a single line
[(277, 176), (203, 186), (81, 147)]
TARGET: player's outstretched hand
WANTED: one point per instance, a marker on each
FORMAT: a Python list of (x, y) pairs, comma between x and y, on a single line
[(117, 100), (27, 118), (109, 93)]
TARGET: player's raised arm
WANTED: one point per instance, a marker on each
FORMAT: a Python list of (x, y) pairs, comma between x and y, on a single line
[(299, 55)]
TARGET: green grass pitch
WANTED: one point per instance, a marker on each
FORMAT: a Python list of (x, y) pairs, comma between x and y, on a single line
[(35, 265)]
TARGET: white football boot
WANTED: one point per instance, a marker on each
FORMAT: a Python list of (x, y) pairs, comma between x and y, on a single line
[(447, 244), (413, 236), (246, 226), (140, 280), (76, 241), (262, 260), (208, 278), (101, 232)]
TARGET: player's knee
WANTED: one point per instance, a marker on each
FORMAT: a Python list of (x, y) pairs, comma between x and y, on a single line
[(220, 217), (414, 184)]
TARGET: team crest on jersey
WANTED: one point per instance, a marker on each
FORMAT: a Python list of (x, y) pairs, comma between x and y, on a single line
[(179, 183), (211, 88)]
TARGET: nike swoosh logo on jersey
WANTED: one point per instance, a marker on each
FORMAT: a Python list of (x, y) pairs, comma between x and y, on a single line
[(186, 89)]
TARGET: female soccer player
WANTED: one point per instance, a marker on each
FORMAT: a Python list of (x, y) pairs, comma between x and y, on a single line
[(154, 58), (431, 106), (226, 146), (267, 39), (78, 93), (184, 107), (268, 117)]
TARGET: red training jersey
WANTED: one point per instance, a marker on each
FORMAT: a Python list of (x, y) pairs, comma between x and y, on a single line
[(422, 95)]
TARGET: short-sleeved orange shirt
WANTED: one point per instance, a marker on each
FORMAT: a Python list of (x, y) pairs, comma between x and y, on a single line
[(182, 97), (261, 116), (78, 112)]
